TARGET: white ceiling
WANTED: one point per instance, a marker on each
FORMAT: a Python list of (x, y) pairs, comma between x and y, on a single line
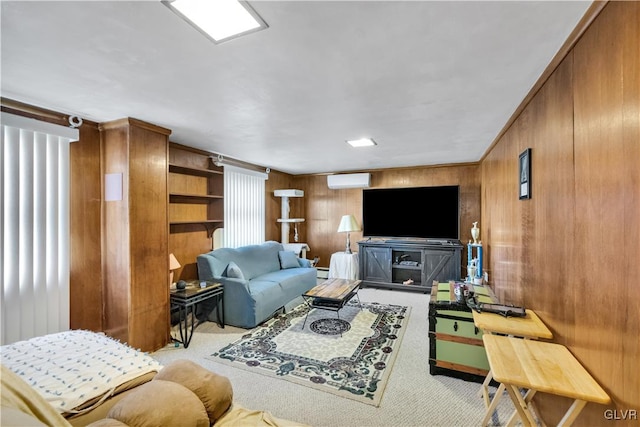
[(431, 82)]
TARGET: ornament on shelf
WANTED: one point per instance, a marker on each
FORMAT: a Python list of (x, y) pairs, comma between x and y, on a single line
[(475, 233)]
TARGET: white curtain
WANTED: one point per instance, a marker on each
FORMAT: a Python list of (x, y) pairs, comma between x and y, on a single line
[(34, 241), (244, 207)]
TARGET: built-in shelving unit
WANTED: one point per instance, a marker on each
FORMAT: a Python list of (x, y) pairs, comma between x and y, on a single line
[(196, 205), (194, 180)]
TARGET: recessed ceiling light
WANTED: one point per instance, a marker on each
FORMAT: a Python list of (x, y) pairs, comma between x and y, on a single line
[(219, 20), (362, 142)]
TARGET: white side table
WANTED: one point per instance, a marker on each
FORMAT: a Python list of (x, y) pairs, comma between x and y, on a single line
[(344, 266)]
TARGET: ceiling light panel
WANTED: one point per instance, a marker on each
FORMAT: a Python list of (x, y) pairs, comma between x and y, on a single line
[(220, 20), (362, 142)]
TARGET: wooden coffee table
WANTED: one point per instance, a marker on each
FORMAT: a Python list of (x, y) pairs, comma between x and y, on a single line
[(332, 294)]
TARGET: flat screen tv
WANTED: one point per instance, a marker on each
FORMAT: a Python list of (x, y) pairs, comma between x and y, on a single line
[(415, 212)]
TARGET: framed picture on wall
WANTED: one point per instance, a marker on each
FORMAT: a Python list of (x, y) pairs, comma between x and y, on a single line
[(525, 174)]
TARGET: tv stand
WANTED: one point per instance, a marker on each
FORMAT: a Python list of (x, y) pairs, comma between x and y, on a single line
[(406, 241), (409, 264)]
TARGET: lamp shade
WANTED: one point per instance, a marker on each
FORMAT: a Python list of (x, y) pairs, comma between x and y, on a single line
[(348, 223), (173, 262)]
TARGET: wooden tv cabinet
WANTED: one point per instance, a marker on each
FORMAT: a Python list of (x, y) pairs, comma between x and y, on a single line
[(394, 263)]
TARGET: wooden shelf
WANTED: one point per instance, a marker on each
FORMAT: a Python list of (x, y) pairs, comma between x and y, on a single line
[(204, 222), (407, 267), (185, 226), (193, 198), (193, 171)]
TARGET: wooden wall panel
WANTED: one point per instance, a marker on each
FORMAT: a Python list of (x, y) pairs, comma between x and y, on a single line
[(186, 246), (116, 256), (273, 207), (607, 119), (85, 297), (570, 253), (551, 133), (626, 388)]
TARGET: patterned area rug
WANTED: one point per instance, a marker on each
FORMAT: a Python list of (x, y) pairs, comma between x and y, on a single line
[(349, 353)]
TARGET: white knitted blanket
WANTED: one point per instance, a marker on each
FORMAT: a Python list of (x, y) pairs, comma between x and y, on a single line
[(72, 367)]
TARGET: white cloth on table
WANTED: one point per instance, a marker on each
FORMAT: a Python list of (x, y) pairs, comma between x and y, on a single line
[(344, 266)]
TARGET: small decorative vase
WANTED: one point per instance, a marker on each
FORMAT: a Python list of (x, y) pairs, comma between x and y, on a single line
[(475, 232)]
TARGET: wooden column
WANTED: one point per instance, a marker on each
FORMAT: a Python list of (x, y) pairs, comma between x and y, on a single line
[(85, 230), (135, 233)]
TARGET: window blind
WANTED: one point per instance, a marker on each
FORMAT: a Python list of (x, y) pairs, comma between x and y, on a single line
[(244, 207), (34, 241)]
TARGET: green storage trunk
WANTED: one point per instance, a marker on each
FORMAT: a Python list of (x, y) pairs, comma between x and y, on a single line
[(455, 344)]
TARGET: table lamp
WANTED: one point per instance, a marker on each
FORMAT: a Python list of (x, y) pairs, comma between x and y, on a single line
[(173, 265), (348, 224)]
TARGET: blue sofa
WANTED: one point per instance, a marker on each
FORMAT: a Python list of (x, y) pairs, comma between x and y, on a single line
[(258, 280)]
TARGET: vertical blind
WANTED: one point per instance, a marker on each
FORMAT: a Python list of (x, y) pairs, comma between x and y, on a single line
[(244, 207), (34, 241)]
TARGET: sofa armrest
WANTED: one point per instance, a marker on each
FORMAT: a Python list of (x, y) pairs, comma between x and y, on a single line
[(304, 262), (232, 282), (209, 267)]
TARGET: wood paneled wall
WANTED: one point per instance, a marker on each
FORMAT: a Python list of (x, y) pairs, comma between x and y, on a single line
[(85, 246), (571, 252), (323, 207), (273, 209)]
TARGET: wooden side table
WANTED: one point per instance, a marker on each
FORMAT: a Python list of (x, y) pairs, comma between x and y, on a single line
[(185, 301), (541, 366), (528, 327)]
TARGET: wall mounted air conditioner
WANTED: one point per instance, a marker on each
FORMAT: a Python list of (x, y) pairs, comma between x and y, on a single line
[(349, 180)]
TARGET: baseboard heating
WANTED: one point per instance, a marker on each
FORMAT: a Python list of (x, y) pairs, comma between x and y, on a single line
[(323, 272)]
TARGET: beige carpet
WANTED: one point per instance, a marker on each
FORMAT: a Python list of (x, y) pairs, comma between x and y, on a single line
[(412, 397)]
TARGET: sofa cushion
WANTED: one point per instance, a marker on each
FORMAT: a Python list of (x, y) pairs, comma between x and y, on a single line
[(214, 390), (268, 292), (253, 260), (160, 403), (16, 418), (288, 259), (233, 271)]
